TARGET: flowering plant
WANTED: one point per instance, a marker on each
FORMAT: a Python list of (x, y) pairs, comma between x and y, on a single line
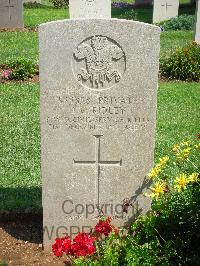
[(163, 182), (19, 69), (84, 244), (122, 5), (167, 235), (62, 246), (6, 74), (104, 227), (182, 63)]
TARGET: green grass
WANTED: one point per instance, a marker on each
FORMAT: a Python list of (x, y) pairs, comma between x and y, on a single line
[(16, 44), (172, 39), (25, 44), (2, 263), (178, 114), (36, 16), (20, 146), (143, 15), (20, 183)]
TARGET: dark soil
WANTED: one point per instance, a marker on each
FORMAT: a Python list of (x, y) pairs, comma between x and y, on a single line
[(28, 29), (34, 79), (21, 241)]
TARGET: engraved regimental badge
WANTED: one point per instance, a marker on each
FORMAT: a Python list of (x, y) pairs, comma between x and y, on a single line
[(99, 62)]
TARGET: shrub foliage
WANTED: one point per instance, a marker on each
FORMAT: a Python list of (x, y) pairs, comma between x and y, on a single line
[(130, 14), (183, 22), (19, 69), (60, 3), (182, 64), (33, 5)]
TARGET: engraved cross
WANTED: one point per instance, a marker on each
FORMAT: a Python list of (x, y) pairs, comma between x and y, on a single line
[(166, 5), (98, 162), (9, 7)]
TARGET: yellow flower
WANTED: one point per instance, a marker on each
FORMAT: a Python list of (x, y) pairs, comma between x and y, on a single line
[(181, 182), (158, 167), (175, 148), (158, 189), (197, 146), (193, 177), (183, 154), (154, 171), (184, 143), (182, 150), (163, 160)]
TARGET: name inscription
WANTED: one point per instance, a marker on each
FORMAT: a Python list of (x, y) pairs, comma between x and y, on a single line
[(100, 112)]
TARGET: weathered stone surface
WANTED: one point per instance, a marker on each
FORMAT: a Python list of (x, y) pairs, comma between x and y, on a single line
[(98, 117), (11, 14), (165, 9), (197, 26), (90, 8)]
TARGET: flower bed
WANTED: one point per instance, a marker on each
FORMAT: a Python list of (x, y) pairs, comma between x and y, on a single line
[(167, 235)]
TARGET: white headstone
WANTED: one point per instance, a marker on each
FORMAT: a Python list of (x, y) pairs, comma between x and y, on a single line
[(197, 26), (164, 10), (90, 8), (98, 116), (11, 14)]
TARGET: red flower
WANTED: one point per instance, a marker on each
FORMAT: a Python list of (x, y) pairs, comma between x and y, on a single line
[(116, 230), (83, 245), (62, 245), (104, 227)]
